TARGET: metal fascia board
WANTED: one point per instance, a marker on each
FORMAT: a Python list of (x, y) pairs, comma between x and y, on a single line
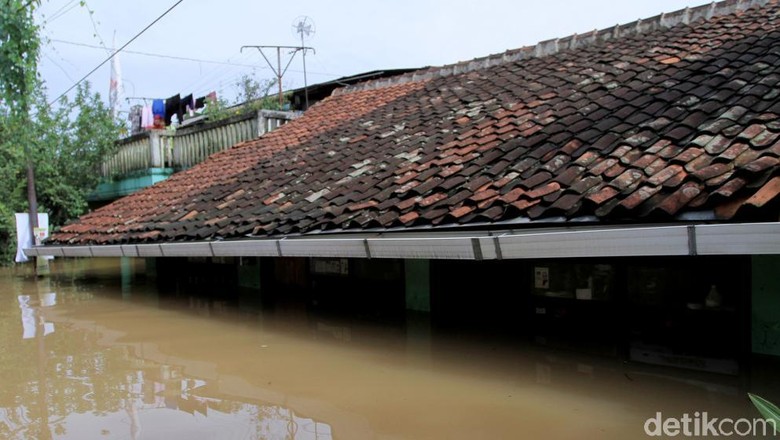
[(106, 251), (488, 246), (149, 250), (334, 247), (40, 251), (130, 250), (738, 239), (76, 251), (245, 248), (431, 248), (195, 249), (32, 252), (672, 240)]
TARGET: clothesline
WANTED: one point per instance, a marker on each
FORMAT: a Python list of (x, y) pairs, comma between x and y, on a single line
[(161, 111)]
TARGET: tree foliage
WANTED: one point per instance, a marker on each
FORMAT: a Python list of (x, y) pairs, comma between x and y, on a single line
[(251, 95), (65, 142), (72, 141), (19, 49), (250, 90)]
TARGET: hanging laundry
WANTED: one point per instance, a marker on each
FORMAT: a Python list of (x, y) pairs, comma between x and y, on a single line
[(158, 109), (188, 105), (135, 119), (200, 102), (147, 117), (172, 106)]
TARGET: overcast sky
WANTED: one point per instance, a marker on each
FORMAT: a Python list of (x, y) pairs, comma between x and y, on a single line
[(351, 37)]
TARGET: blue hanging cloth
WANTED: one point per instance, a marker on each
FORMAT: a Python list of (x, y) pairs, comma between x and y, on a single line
[(158, 110)]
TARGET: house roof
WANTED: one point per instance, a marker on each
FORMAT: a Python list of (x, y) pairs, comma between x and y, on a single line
[(671, 118), (320, 91)]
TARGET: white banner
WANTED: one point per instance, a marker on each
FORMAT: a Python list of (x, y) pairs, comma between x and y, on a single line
[(24, 237)]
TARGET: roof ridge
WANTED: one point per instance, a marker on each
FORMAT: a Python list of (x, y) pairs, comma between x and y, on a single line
[(550, 47)]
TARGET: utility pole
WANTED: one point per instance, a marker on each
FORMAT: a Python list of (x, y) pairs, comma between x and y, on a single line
[(41, 263), (278, 69), (304, 27), (305, 82)]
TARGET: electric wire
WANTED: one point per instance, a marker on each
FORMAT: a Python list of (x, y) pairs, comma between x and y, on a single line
[(59, 12), (65, 72), (156, 55), (213, 75), (180, 58), (116, 52), (95, 28)]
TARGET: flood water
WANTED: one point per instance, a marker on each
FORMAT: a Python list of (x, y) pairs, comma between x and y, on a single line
[(88, 354)]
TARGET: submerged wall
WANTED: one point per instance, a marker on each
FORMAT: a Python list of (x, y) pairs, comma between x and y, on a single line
[(695, 312), (765, 314)]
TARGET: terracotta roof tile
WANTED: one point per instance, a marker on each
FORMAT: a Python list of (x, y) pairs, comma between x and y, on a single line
[(767, 193), (677, 200), (636, 128), (640, 195), (524, 205), (729, 208), (483, 195), (512, 195), (761, 164), (602, 195)]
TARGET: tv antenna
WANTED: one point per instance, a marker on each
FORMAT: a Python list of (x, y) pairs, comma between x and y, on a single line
[(304, 27), (278, 71)]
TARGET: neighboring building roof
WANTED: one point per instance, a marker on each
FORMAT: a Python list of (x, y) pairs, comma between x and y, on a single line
[(318, 92), (640, 123)]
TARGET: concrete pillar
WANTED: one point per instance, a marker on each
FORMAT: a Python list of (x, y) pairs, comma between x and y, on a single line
[(249, 273), (417, 278), (418, 338), (150, 267), (261, 123), (765, 316), (126, 266), (154, 149)]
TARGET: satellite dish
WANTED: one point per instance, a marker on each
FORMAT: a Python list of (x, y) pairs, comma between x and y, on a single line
[(303, 27)]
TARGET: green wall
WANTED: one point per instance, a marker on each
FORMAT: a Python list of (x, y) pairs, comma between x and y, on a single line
[(418, 285), (249, 273), (129, 184), (766, 304)]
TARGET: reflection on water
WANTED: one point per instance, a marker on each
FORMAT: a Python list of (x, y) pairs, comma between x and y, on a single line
[(92, 354), (82, 382)]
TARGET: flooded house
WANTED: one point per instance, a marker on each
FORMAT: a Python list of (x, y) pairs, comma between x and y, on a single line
[(615, 193)]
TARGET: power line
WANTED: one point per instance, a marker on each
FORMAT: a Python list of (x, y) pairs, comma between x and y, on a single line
[(59, 66), (159, 55), (116, 52), (176, 57), (214, 73), (59, 12), (94, 26)]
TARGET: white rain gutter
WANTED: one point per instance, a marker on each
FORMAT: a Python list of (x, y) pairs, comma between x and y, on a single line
[(583, 241)]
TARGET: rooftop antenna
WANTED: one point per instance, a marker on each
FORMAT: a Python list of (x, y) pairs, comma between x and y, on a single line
[(304, 27), (278, 69)]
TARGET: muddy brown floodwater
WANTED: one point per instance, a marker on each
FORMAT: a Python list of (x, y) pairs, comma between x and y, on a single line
[(90, 354)]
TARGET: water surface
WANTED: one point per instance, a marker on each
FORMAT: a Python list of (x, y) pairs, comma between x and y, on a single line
[(90, 353)]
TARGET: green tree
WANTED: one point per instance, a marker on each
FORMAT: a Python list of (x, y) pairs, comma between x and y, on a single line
[(253, 92), (63, 144), (251, 95), (73, 140), (19, 50)]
